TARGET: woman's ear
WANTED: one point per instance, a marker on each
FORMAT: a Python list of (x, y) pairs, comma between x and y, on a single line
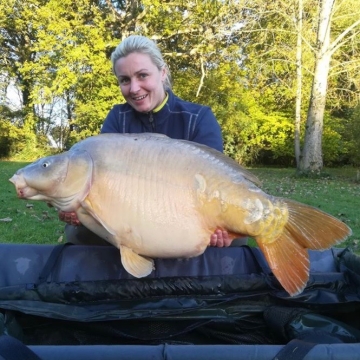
[(163, 73)]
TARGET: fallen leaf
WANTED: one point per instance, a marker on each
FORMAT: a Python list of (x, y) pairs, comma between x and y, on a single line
[(29, 206), (45, 215), (7, 219)]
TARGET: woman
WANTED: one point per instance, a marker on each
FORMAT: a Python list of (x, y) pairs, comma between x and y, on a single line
[(151, 106), (144, 81)]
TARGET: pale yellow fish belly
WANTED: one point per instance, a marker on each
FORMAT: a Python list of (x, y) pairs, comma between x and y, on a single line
[(152, 216)]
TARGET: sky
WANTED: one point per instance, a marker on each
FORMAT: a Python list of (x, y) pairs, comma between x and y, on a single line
[(13, 97)]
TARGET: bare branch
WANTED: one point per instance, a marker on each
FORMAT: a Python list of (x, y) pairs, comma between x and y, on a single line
[(113, 10), (202, 77), (337, 43)]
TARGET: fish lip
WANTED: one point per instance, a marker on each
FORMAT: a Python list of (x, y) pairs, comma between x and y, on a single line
[(26, 192), (23, 190)]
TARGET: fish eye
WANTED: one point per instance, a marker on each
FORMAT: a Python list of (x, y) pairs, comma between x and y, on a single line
[(45, 164)]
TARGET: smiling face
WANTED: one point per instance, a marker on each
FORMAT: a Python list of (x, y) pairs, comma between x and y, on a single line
[(141, 82)]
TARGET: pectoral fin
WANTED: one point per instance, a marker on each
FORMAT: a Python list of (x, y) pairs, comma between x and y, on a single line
[(136, 265), (89, 207)]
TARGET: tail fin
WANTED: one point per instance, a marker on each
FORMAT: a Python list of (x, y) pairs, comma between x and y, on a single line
[(307, 228), (313, 228)]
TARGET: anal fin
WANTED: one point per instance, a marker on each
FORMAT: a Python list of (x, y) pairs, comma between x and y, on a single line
[(135, 264)]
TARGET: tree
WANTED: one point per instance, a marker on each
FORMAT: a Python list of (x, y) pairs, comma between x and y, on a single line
[(17, 36), (311, 159), (298, 101), (273, 53), (57, 52), (239, 57)]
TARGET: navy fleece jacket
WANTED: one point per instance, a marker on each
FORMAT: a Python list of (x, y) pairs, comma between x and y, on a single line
[(177, 119)]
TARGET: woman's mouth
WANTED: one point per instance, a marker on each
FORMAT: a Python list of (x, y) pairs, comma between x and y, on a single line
[(139, 98)]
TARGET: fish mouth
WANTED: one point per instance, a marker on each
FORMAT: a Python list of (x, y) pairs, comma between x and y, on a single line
[(23, 191)]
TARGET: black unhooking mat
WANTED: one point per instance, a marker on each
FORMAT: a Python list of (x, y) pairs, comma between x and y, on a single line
[(72, 302)]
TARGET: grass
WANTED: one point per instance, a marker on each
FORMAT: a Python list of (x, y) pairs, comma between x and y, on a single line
[(23, 221), (337, 193)]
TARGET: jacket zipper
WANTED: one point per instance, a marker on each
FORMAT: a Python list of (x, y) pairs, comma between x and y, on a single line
[(152, 121)]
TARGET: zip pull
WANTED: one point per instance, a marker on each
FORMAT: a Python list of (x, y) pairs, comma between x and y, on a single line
[(152, 121)]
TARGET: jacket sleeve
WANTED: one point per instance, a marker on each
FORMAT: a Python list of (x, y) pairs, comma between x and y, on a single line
[(111, 123), (207, 130)]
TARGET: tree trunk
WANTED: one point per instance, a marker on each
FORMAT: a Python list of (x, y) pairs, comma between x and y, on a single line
[(299, 86), (311, 160)]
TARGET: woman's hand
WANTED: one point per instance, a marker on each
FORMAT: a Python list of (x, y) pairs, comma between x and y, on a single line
[(69, 217), (220, 238)]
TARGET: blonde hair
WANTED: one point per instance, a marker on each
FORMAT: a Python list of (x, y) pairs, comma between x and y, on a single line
[(141, 44)]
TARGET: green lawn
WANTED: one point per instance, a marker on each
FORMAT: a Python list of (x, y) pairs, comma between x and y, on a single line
[(23, 221), (338, 194)]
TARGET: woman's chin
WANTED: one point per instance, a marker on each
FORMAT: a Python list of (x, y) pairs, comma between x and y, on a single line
[(141, 106)]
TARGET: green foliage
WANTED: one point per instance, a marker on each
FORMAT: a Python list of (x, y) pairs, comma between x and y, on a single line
[(248, 130), (17, 140), (277, 134), (10, 139), (335, 147), (11, 134), (237, 58), (233, 105), (20, 143), (351, 134), (74, 40), (65, 70)]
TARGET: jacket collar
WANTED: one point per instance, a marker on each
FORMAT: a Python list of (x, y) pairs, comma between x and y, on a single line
[(160, 116)]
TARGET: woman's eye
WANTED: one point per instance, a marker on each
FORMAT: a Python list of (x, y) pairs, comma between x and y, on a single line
[(123, 81)]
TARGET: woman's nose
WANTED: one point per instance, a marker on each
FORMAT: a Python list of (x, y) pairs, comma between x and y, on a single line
[(134, 86)]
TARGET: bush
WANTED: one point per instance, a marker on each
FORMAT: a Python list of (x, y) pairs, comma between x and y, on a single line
[(19, 144)]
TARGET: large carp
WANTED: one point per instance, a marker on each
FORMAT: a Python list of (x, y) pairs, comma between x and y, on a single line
[(152, 196)]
